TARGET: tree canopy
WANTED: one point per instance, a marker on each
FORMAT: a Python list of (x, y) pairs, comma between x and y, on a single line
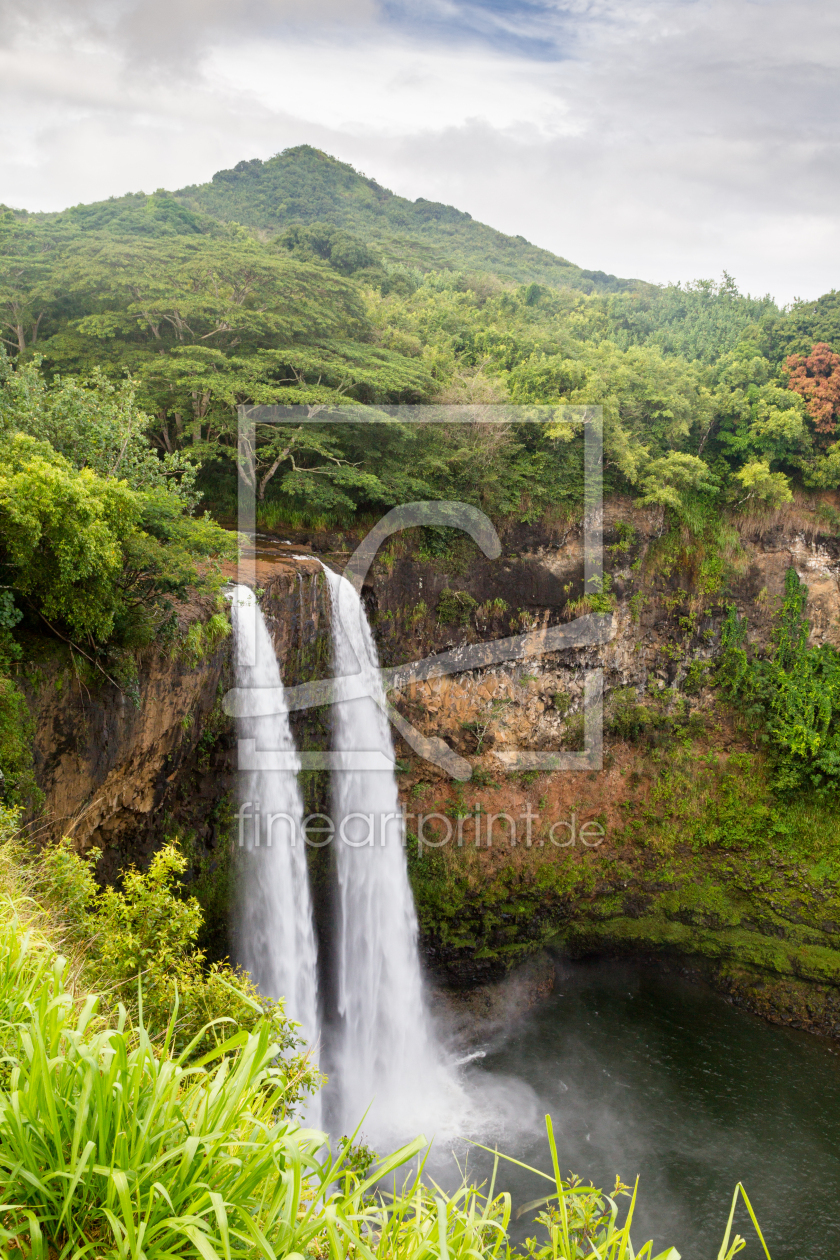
[(133, 329)]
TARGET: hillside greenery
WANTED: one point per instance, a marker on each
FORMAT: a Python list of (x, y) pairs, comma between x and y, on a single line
[(326, 207), (299, 282), (791, 697)]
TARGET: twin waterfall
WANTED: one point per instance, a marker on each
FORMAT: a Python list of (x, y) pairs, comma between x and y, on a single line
[(376, 1045)]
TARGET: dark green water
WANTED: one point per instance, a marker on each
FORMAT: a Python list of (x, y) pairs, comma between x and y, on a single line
[(646, 1073)]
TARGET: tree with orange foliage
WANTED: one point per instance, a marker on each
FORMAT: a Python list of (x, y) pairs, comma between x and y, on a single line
[(817, 378)]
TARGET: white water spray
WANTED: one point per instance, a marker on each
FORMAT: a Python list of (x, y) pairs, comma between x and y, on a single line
[(386, 1057), (275, 934)]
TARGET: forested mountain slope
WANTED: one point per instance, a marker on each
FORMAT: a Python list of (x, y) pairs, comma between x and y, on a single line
[(304, 185), (300, 281)]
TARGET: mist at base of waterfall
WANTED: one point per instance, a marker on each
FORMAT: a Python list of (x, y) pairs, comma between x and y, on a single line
[(648, 1074), (460, 1103)]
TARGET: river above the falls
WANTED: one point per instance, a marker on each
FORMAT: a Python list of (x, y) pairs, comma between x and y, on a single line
[(646, 1073)]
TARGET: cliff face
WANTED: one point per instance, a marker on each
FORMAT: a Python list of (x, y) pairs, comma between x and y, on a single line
[(662, 618), (111, 761), (686, 856)]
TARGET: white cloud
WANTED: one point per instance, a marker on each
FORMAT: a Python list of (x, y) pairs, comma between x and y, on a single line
[(168, 32), (391, 88), (670, 140)]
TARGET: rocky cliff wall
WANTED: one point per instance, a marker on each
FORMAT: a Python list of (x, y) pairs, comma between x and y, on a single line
[(695, 864), (698, 863), (111, 759), (121, 767)]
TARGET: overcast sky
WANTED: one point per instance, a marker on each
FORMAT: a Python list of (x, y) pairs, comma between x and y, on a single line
[(667, 139)]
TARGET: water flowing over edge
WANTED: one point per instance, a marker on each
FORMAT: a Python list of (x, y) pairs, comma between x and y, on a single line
[(274, 932), (387, 1058)]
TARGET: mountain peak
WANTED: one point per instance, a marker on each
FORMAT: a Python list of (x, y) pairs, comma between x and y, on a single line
[(304, 185)]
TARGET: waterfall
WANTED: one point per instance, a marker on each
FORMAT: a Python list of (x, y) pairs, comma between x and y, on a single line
[(275, 934), (386, 1057)]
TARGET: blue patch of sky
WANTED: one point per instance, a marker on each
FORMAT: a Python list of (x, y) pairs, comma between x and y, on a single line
[(525, 28)]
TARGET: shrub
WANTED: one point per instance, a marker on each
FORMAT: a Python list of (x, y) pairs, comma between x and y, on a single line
[(61, 535), (203, 637), (87, 551), (455, 607), (630, 721), (139, 944), (792, 697)]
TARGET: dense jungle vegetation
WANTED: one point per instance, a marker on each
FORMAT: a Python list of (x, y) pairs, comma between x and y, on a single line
[(316, 293)]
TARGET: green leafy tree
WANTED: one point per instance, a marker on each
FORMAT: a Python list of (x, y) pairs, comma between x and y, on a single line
[(88, 552), (665, 481), (763, 486), (654, 410), (27, 280), (808, 323), (702, 320), (93, 423), (543, 378), (756, 415), (61, 536), (192, 290), (343, 250)]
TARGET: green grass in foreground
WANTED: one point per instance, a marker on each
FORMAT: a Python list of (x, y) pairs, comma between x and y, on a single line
[(119, 1145)]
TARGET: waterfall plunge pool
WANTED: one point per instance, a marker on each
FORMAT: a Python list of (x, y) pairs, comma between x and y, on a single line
[(644, 1072)]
